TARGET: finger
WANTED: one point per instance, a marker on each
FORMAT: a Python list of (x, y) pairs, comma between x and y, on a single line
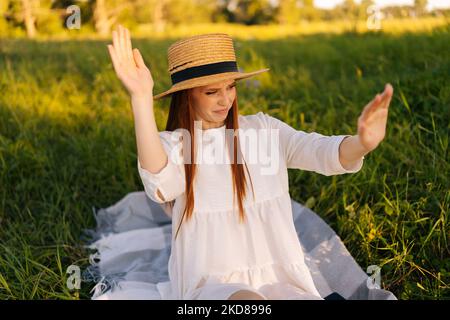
[(113, 55), (119, 49), (384, 96), (389, 89), (388, 92), (377, 117), (122, 43), (371, 106), (380, 101), (138, 59), (388, 103), (128, 45), (116, 44)]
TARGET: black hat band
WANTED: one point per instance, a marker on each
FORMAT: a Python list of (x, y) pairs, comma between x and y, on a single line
[(204, 70)]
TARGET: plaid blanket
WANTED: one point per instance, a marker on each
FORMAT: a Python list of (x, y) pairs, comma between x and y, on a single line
[(131, 248)]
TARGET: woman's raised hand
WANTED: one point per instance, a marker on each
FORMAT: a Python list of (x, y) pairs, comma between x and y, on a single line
[(129, 65), (373, 119)]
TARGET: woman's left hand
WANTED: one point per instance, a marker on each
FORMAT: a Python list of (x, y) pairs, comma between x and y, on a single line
[(373, 119)]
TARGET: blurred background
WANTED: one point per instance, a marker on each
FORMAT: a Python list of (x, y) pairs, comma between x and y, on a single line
[(33, 18), (67, 141)]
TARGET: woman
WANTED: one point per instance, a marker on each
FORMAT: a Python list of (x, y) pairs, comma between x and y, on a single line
[(233, 234)]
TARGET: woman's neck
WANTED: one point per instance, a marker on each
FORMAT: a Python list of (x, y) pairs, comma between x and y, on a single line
[(211, 125)]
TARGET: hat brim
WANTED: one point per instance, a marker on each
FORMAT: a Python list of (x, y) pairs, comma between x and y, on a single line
[(203, 81)]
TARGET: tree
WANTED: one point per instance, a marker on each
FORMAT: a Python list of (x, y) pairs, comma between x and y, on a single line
[(307, 10), (107, 12), (3, 15), (158, 16), (35, 16), (158, 12), (362, 9), (420, 7), (28, 14), (249, 11), (287, 12), (350, 9), (189, 11), (103, 17)]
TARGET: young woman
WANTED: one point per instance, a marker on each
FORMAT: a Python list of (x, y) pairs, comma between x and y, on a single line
[(233, 235)]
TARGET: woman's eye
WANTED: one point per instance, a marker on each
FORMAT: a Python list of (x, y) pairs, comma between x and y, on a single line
[(230, 87)]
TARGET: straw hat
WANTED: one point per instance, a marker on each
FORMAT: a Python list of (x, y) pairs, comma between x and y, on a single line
[(201, 60)]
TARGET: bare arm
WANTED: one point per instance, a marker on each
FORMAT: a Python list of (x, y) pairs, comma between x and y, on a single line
[(151, 153), (371, 130), (137, 79)]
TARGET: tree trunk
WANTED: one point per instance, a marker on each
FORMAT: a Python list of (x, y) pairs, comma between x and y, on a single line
[(29, 18), (158, 16), (101, 21)]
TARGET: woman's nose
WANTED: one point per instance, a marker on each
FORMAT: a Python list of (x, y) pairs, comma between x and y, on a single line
[(225, 99)]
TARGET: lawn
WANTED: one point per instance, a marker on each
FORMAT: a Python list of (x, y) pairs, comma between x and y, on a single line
[(67, 143)]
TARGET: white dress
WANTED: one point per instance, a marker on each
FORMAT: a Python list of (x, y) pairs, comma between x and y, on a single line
[(214, 254)]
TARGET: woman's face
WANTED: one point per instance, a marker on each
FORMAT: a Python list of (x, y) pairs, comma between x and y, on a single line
[(212, 103)]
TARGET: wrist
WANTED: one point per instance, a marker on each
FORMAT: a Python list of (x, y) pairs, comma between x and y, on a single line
[(361, 148), (141, 100), (353, 149), (141, 96)]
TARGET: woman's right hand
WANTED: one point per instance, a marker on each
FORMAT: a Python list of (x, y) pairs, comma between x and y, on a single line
[(129, 65)]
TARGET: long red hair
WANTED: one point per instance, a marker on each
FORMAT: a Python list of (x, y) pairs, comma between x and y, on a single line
[(181, 115)]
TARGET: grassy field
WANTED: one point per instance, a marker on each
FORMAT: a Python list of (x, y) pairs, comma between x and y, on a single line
[(67, 143)]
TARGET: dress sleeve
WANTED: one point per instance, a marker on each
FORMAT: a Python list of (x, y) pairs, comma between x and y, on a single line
[(170, 181), (311, 151)]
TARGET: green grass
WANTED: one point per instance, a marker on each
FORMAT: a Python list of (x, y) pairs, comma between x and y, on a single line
[(67, 143)]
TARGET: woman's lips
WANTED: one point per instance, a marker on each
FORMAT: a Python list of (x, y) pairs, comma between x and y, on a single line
[(223, 111)]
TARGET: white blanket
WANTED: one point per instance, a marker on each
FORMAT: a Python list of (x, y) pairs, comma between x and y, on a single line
[(132, 242)]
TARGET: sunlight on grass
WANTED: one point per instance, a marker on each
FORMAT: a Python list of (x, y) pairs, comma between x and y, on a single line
[(67, 143)]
